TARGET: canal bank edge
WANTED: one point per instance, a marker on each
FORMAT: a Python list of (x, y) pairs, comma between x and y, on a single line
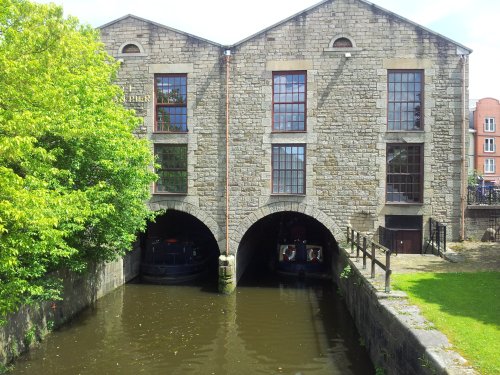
[(30, 324), (398, 338)]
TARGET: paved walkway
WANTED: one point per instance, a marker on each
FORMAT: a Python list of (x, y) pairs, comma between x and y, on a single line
[(464, 257)]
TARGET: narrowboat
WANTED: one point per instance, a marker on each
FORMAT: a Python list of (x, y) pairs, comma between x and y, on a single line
[(301, 259), (169, 261)]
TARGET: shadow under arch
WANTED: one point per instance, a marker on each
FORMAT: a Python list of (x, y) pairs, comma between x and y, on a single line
[(276, 207), (260, 233), (194, 211)]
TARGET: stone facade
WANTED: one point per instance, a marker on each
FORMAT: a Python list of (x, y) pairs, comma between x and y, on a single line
[(346, 134)]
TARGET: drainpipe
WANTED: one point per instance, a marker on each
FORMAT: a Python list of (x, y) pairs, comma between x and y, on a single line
[(227, 54), (227, 263), (463, 187)]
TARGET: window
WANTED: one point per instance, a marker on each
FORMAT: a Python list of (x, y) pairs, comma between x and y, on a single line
[(404, 173), (489, 124), (405, 91), (289, 101), (289, 169), (489, 166), (172, 170), (489, 145), (170, 102), (131, 48), (342, 43)]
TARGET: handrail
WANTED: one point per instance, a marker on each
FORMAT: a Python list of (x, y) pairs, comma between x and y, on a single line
[(354, 237), (437, 232)]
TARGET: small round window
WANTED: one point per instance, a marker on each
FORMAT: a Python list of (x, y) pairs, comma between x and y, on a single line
[(131, 48), (342, 43)]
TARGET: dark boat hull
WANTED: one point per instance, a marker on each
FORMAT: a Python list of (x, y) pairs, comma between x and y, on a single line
[(173, 274)]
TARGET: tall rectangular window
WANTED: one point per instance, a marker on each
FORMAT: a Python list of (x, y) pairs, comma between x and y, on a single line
[(289, 101), (404, 173), (289, 169), (489, 124), (171, 103), (489, 166), (172, 170), (405, 99), (489, 145)]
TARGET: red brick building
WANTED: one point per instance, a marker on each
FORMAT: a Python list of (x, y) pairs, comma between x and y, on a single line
[(487, 160)]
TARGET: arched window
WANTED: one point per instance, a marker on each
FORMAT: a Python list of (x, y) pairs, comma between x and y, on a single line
[(342, 43), (131, 48)]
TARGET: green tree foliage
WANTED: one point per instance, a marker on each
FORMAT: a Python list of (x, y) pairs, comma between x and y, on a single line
[(73, 177)]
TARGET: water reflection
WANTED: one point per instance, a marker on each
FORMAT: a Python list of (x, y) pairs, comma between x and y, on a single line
[(276, 327)]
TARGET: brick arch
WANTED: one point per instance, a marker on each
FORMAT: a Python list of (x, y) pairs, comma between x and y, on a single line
[(272, 208), (191, 209)]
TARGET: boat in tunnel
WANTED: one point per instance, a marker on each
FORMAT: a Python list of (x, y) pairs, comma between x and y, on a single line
[(169, 261), (301, 259), (177, 248), (297, 253)]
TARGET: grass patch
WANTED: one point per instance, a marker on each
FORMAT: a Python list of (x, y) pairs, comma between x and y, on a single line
[(465, 307)]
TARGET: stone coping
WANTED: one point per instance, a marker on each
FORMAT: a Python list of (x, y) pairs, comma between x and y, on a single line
[(439, 356)]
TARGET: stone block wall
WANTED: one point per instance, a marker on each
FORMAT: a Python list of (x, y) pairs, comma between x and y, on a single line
[(346, 135), (397, 337), (80, 291), (479, 220)]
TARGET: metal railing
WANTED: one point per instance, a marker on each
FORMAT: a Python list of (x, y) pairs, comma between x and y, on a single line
[(437, 232), (362, 244), (483, 195), (387, 238)]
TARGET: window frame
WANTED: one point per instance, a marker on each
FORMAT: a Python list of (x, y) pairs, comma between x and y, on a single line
[(403, 175), (489, 125), (288, 188), (286, 103), (489, 162), (183, 106), (183, 169), (489, 145), (399, 113)]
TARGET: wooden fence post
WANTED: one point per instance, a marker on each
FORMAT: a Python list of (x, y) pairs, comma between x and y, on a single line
[(364, 253)]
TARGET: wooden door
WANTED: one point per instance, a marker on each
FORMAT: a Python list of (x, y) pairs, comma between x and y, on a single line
[(409, 241)]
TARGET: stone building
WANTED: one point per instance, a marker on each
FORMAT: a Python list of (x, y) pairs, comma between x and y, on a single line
[(343, 114)]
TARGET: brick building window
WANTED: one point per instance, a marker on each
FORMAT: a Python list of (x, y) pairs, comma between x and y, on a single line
[(405, 98), (171, 103), (289, 101), (489, 145), (489, 124), (404, 173), (489, 166), (289, 169), (172, 170)]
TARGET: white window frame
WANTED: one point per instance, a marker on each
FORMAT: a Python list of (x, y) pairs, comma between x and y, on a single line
[(489, 124), (489, 145), (489, 165)]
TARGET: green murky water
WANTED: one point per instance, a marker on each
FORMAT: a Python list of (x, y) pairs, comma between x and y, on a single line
[(272, 327)]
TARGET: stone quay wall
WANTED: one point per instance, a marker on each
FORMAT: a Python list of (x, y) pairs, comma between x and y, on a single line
[(398, 338), (31, 323)]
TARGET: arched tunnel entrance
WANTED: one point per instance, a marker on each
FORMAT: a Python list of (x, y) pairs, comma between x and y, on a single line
[(178, 248), (265, 246)]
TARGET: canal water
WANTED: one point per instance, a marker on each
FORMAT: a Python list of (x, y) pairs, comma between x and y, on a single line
[(271, 326)]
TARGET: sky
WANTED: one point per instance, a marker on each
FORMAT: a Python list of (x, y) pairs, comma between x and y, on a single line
[(472, 23)]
